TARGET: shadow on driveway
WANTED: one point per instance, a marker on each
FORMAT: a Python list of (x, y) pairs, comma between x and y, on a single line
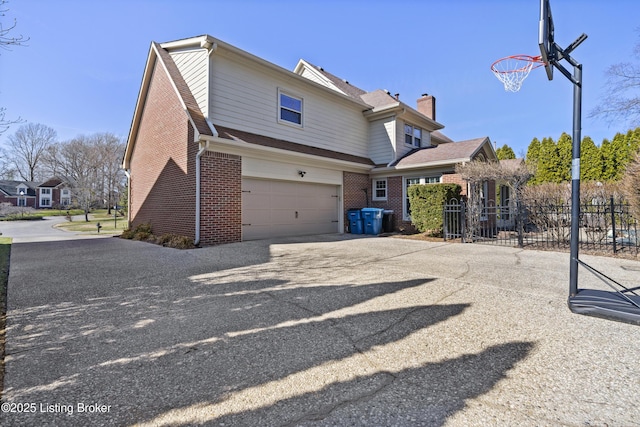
[(230, 335)]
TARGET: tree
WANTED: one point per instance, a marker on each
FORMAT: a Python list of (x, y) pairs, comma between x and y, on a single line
[(110, 152), (631, 185), (505, 152), (5, 42), (590, 161), (92, 165), (622, 99), (27, 149), (549, 168), (565, 157), (78, 160)]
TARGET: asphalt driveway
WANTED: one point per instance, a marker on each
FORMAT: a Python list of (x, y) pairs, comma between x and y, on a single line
[(324, 330)]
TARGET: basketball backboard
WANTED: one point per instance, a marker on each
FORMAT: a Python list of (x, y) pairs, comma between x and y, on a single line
[(545, 38)]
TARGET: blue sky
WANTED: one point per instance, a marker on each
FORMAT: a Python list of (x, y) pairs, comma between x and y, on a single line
[(82, 69)]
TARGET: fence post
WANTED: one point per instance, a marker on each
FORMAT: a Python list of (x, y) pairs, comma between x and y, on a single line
[(519, 224), (445, 224), (613, 225), (463, 220)]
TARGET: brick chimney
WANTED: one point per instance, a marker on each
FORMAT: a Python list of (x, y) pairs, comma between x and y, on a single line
[(427, 105)]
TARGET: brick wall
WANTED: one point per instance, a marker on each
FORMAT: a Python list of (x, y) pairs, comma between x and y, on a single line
[(394, 202), (163, 163), (220, 198), (455, 178), (354, 194)]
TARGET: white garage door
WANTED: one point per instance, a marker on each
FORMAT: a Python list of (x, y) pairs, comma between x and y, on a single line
[(287, 208)]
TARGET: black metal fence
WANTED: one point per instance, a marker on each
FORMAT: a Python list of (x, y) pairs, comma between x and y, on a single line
[(606, 227)]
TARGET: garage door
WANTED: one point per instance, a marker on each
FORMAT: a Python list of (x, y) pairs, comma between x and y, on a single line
[(286, 208)]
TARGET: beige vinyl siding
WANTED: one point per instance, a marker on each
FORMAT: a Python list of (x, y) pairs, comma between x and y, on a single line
[(245, 97), (193, 67), (382, 140)]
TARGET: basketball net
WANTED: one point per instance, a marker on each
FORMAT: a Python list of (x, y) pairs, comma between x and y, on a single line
[(512, 70)]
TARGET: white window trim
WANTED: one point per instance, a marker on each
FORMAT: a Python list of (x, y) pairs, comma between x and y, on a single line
[(374, 197), (295, 96), (413, 141), (423, 180)]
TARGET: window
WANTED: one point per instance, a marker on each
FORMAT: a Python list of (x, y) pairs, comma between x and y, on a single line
[(45, 202), (290, 109), (22, 201), (45, 191), (379, 189), (412, 135), (414, 181)]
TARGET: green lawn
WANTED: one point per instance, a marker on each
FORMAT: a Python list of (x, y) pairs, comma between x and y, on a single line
[(39, 214), (108, 225)]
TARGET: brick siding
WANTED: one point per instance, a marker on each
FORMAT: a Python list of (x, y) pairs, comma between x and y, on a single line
[(220, 198), (356, 188), (163, 163)]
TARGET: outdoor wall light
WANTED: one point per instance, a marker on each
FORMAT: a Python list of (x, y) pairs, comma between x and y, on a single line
[(302, 173)]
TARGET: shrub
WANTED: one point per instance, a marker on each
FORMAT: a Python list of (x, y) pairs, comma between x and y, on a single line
[(176, 241), (427, 202), (143, 232), (140, 232)]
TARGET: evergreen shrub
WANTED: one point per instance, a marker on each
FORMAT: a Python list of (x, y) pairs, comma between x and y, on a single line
[(427, 203)]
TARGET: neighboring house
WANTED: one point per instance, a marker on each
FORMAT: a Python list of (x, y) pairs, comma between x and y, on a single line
[(18, 193), (53, 193), (225, 146)]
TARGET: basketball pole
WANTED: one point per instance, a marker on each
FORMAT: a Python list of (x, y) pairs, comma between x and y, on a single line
[(576, 79), (575, 179)]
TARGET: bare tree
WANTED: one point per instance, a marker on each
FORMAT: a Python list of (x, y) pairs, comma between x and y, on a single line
[(6, 41), (27, 149), (78, 160), (91, 164), (110, 150), (622, 88)]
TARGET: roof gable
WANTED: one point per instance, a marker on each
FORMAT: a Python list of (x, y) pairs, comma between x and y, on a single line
[(189, 103)]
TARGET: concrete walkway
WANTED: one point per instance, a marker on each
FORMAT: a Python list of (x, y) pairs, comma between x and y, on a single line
[(326, 330)]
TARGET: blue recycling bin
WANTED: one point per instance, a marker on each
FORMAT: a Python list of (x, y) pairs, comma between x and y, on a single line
[(372, 219), (355, 221)]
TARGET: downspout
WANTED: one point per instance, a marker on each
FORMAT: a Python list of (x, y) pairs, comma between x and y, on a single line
[(203, 147), (211, 47), (127, 172)]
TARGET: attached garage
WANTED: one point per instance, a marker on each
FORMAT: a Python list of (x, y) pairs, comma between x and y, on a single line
[(272, 208)]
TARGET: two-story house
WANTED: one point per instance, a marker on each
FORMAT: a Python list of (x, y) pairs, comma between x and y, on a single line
[(225, 146)]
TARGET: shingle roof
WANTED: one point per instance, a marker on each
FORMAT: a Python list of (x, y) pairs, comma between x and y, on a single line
[(51, 183), (10, 187), (343, 85), (290, 146), (438, 153)]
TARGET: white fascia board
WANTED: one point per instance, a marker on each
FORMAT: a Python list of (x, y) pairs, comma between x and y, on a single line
[(241, 148), (304, 65), (420, 119), (420, 165)]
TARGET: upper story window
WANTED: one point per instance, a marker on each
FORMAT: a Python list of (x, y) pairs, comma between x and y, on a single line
[(290, 109), (45, 191), (412, 135)]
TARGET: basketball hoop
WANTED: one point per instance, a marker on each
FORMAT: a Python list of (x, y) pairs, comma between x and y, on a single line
[(512, 70)]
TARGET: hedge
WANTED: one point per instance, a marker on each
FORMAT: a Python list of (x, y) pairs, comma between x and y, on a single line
[(427, 203)]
